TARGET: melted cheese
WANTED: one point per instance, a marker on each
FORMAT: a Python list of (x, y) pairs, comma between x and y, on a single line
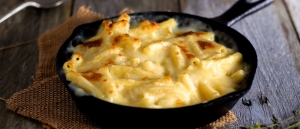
[(154, 65)]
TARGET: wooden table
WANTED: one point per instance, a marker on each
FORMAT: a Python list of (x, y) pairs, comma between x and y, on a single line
[(273, 31)]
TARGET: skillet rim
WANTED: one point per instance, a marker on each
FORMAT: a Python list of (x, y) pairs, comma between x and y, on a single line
[(239, 93)]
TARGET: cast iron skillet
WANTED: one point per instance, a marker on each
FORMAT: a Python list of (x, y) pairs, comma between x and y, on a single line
[(111, 115)]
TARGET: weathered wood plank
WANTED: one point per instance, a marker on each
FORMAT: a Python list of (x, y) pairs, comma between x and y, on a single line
[(272, 34), (270, 31), (18, 65), (114, 7), (294, 10)]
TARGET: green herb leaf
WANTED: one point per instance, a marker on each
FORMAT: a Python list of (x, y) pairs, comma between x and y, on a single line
[(274, 120), (251, 127), (257, 126), (293, 125), (263, 125), (296, 112)]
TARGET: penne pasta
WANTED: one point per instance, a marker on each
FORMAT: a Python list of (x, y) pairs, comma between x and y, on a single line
[(177, 57), (154, 65)]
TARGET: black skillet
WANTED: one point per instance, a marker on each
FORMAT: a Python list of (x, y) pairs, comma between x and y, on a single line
[(111, 115)]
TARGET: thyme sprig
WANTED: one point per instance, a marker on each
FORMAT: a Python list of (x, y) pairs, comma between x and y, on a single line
[(277, 123)]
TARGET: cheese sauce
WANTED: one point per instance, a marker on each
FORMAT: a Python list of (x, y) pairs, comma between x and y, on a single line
[(153, 65)]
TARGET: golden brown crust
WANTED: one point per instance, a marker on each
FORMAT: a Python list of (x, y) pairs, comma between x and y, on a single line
[(91, 75), (186, 52), (96, 43), (205, 45), (190, 33)]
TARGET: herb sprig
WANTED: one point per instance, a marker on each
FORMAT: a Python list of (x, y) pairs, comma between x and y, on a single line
[(277, 123)]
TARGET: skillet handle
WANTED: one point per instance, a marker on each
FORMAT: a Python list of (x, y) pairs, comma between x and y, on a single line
[(241, 9)]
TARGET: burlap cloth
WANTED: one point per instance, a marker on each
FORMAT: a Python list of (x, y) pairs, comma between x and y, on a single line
[(47, 100)]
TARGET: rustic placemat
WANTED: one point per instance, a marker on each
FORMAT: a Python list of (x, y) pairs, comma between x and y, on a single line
[(47, 100)]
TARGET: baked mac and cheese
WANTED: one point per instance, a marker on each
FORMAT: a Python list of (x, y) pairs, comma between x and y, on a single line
[(154, 65)]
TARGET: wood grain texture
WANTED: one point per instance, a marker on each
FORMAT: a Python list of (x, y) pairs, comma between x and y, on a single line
[(277, 79), (114, 7), (271, 31), (294, 11), (18, 65)]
